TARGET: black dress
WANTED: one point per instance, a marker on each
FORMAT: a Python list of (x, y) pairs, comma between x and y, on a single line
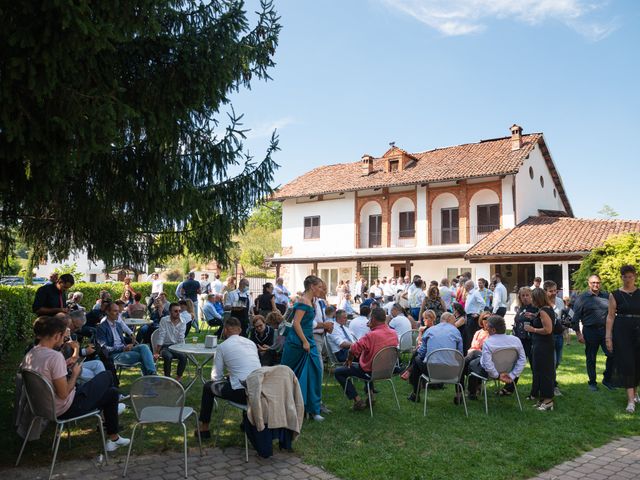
[(518, 328), (626, 338), (543, 359), (264, 304)]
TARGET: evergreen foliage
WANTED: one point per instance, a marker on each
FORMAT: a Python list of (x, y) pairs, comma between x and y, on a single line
[(606, 261), (116, 131)]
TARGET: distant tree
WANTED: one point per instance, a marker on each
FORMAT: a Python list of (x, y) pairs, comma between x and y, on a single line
[(116, 131), (608, 212), (606, 261), (72, 269), (11, 267), (267, 215)]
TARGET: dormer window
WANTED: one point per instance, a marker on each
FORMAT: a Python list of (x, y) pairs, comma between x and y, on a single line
[(394, 165)]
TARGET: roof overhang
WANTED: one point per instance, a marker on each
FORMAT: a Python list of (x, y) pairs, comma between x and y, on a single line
[(366, 258), (528, 257)]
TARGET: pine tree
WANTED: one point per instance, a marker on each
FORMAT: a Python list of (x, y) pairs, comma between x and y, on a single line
[(116, 130)]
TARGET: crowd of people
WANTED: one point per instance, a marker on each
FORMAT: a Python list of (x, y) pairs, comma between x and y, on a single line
[(77, 350)]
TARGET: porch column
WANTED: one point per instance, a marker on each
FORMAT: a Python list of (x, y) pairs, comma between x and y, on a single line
[(565, 279), (277, 270), (407, 266), (314, 271)]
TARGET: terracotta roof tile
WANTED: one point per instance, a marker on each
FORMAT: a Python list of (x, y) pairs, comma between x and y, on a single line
[(483, 159), (550, 235)]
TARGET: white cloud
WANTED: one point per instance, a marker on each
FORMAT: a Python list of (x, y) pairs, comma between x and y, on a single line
[(463, 17), (265, 129)]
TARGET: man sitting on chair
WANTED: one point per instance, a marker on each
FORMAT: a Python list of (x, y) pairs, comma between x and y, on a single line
[(484, 365), (239, 356), (365, 349), (110, 336), (442, 335), (213, 311), (171, 331), (340, 339)]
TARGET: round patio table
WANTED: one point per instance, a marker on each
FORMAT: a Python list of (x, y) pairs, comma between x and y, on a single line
[(134, 323), (193, 351)]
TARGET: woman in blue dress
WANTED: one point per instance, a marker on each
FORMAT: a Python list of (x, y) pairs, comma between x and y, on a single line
[(300, 352)]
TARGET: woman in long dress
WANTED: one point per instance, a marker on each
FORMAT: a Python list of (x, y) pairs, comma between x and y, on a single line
[(300, 352), (622, 332)]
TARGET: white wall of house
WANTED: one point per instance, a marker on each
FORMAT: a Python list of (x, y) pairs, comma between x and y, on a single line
[(531, 196), (84, 265), (401, 205), (508, 214), (337, 229)]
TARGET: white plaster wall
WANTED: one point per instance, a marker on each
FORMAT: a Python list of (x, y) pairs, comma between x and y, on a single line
[(81, 260), (368, 209), (444, 200), (401, 205), (337, 229), (482, 197), (421, 217), (508, 216), (530, 196)]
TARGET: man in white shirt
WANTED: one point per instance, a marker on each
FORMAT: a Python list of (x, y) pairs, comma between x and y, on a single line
[(388, 290), (446, 294), (239, 356), (156, 285), (282, 295), (216, 285), (376, 290), (359, 326), (500, 296), (484, 365), (322, 323), (346, 305), (340, 339), (170, 332), (399, 322), (473, 305), (357, 297)]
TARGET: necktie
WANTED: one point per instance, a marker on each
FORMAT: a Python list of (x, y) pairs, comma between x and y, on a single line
[(346, 334)]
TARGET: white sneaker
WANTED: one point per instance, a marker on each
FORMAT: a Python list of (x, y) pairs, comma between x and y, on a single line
[(121, 408), (631, 407), (123, 398), (557, 392), (637, 398), (112, 445), (318, 418)]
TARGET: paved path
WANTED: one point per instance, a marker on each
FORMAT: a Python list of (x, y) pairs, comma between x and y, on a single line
[(618, 460), (227, 464)]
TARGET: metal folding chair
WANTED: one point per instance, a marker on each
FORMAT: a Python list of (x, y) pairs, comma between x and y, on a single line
[(444, 365), (504, 359), (41, 399), (156, 399), (382, 368), (332, 362)]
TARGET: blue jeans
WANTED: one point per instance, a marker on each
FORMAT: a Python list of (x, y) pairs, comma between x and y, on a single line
[(558, 342), (593, 340), (140, 353)]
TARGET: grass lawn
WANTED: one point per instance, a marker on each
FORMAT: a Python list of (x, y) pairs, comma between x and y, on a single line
[(507, 444)]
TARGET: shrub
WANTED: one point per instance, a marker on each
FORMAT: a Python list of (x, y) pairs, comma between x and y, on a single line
[(16, 318), (606, 261)]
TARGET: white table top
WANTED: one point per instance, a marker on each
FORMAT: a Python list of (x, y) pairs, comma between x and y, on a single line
[(135, 322), (193, 348)]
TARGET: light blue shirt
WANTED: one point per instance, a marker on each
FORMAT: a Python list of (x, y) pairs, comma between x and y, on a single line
[(498, 342), (474, 303), (442, 335), (210, 311), (282, 294)]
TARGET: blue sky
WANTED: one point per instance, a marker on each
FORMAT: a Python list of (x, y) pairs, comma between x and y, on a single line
[(354, 75)]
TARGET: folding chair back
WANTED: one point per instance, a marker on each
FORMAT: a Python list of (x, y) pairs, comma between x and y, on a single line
[(153, 391), (505, 358), (39, 395), (384, 364), (445, 365), (154, 339), (406, 341)]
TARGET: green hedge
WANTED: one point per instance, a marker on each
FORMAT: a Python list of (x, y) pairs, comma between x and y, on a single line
[(16, 318)]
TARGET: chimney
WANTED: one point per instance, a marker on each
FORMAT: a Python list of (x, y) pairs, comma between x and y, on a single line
[(367, 165), (516, 137)]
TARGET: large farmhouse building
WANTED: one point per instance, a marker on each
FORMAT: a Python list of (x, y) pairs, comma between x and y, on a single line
[(498, 205)]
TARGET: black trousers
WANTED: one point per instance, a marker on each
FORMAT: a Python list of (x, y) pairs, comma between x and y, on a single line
[(222, 390), (470, 328), (543, 366), (593, 341), (98, 393), (501, 311), (167, 356), (342, 373), (282, 307)]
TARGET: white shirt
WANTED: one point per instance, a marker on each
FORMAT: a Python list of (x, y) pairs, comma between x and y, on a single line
[(157, 286), (125, 327), (400, 324), (447, 296), (170, 334), (216, 286), (388, 289), (117, 341), (359, 327), (474, 303), (558, 307), (185, 317), (339, 336), (496, 342), (239, 356), (500, 297), (376, 290), (282, 294), (320, 316)]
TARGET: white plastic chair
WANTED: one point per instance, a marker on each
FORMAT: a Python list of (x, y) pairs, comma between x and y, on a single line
[(444, 365), (382, 368), (504, 359), (158, 399), (41, 399)]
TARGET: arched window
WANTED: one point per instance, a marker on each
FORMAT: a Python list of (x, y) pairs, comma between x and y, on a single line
[(403, 223), (371, 225), (445, 218)]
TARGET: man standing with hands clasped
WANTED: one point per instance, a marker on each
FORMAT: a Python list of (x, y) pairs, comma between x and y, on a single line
[(591, 308)]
